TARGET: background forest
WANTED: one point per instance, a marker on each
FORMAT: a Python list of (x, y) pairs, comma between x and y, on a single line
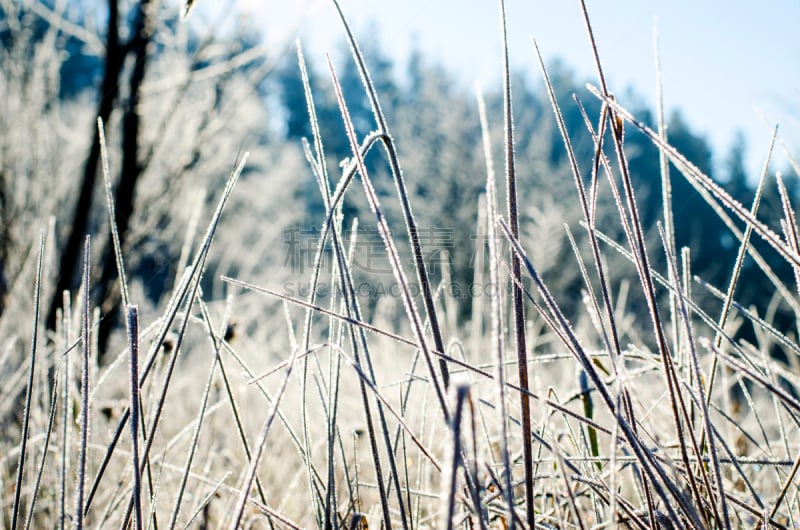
[(178, 105), (199, 97)]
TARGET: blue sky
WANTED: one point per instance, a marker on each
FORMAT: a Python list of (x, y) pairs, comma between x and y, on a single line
[(721, 60)]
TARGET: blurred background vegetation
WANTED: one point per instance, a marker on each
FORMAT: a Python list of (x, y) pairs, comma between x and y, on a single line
[(180, 103)]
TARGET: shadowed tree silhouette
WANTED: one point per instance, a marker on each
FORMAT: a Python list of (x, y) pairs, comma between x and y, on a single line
[(109, 91)]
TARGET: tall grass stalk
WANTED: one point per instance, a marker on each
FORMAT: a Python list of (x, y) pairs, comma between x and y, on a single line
[(132, 322), (516, 275), (694, 174), (86, 341), (192, 293), (193, 273), (496, 314), (403, 196), (664, 484), (383, 228), (320, 170), (695, 364), (112, 216), (23, 445), (48, 434), (666, 181), (737, 269), (386, 236), (455, 463), (351, 306), (65, 413)]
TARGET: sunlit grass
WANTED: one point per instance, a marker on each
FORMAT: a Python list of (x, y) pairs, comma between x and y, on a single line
[(322, 411)]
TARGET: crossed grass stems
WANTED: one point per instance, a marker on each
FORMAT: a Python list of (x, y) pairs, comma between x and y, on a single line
[(581, 467)]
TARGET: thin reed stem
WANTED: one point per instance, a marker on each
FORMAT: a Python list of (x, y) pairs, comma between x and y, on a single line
[(86, 330), (23, 444), (132, 321), (516, 275)]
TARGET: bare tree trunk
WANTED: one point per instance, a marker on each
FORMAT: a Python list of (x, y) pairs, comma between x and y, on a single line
[(72, 253)]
